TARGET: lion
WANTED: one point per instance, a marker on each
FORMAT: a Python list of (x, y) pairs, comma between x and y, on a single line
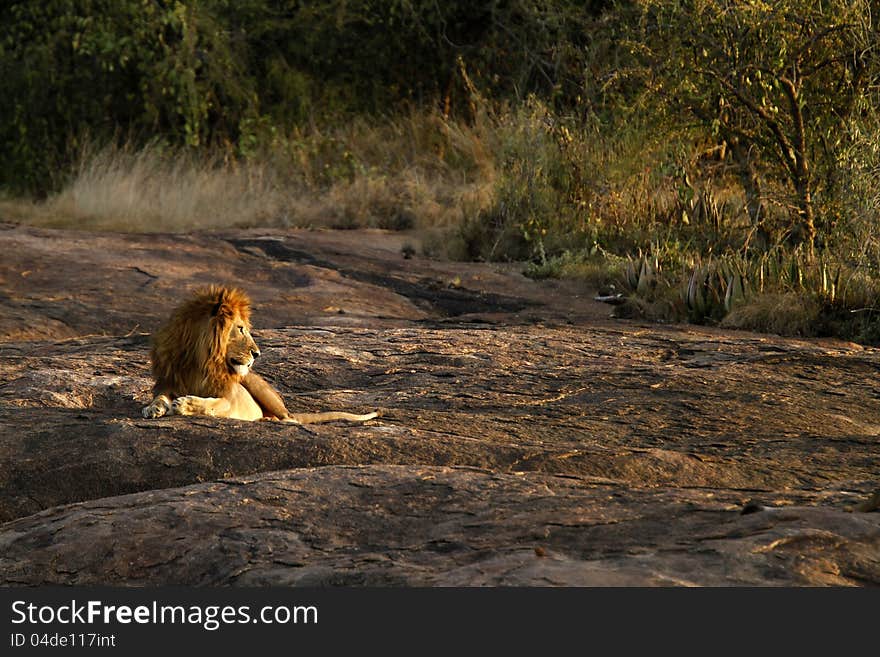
[(202, 359)]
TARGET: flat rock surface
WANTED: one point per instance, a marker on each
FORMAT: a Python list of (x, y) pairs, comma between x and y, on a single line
[(526, 439)]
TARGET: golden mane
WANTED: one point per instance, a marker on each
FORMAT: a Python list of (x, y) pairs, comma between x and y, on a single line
[(189, 352)]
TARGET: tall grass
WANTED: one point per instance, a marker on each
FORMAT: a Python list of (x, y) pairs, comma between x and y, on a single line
[(152, 189), (658, 214), (156, 190), (512, 184), (415, 171)]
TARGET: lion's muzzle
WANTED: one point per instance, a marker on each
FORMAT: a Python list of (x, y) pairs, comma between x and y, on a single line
[(241, 366)]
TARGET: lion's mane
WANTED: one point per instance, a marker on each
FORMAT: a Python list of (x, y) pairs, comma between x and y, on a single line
[(189, 353)]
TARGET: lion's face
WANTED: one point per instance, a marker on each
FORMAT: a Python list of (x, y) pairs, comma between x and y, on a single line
[(241, 350), (206, 347)]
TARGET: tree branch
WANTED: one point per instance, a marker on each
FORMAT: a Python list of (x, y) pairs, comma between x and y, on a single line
[(783, 142), (797, 116)]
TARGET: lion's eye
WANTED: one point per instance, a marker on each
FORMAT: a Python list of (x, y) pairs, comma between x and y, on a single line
[(241, 329)]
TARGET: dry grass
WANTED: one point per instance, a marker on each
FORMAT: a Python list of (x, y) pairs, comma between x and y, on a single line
[(781, 313), (150, 190), (406, 199), (519, 184), (508, 185), (418, 171), (484, 184)]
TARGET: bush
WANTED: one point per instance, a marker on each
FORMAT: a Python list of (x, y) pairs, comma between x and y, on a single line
[(98, 69)]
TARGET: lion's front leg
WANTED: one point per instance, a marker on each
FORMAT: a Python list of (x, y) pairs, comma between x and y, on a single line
[(192, 405), (158, 407)]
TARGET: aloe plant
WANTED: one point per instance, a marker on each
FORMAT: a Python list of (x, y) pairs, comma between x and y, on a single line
[(640, 275), (715, 287)]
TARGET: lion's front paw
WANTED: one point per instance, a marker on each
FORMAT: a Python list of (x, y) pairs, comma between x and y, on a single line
[(188, 405), (157, 408)]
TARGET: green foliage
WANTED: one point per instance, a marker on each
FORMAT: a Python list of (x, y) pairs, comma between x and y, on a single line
[(775, 81), (714, 288), (330, 57), (530, 189), (779, 291), (77, 68), (209, 72)]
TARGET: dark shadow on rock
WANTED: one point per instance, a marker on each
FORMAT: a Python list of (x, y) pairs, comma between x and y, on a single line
[(448, 301)]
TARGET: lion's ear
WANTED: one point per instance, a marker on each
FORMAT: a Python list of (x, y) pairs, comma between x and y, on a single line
[(227, 305), (222, 309)]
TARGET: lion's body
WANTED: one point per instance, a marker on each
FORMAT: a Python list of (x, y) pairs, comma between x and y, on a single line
[(201, 362)]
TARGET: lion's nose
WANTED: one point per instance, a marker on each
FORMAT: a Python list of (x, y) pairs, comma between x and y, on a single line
[(255, 353)]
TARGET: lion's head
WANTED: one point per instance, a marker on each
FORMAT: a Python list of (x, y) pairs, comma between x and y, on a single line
[(206, 347)]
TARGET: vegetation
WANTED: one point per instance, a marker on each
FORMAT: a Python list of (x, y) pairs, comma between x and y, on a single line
[(718, 160), (776, 82)]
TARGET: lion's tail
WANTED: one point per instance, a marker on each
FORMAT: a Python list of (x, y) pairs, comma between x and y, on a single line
[(314, 418)]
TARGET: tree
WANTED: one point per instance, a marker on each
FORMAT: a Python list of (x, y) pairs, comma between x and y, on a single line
[(775, 78), (365, 56), (98, 68)]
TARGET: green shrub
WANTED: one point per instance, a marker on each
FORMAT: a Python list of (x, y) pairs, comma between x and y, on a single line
[(97, 69)]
